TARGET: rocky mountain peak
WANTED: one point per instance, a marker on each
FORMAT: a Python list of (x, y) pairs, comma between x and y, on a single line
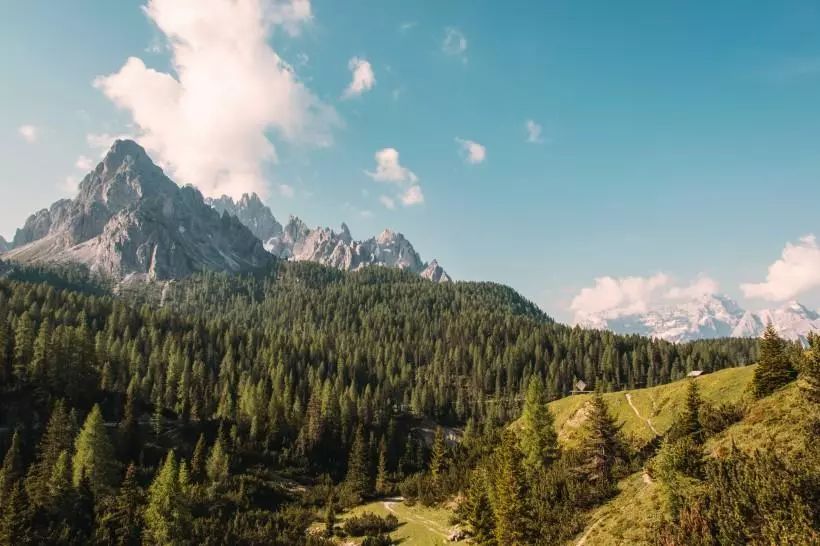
[(129, 220)]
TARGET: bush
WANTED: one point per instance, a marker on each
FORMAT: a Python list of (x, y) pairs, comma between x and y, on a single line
[(370, 524), (716, 419), (380, 540)]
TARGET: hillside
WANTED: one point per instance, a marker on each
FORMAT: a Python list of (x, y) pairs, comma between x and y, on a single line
[(775, 424), (647, 413)]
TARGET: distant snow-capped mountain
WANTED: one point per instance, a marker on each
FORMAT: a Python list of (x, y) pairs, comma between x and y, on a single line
[(707, 317), (296, 241)]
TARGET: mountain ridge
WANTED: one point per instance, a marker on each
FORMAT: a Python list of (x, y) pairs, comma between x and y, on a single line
[(297, 241), (708, 316)]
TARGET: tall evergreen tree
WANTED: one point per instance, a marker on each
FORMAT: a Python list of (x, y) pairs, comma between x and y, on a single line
[(15, 529), (479, 512), (218, 464), (539, 441), (601, 443), (167, 515), (198, 460), (12, 469), (358, 466), (381, 469), (691, 416), (120, 522), (510, 504), (773, 366), (57, 438), (439, 459), (94, 455)]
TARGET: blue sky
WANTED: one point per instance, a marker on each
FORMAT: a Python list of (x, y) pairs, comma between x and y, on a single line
[(674, 139)]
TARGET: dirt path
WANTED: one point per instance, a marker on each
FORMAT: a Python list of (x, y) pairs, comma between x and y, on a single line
[(641, 417), (431, 526), (583, 539)]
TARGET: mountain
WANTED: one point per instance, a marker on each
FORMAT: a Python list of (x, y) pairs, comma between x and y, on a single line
[(4, 245), (792, 320), (130, 221), (708, 317), (296, 241)]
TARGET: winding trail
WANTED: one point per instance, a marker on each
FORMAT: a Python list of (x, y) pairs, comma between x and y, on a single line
[(583, 539), (641, 417)]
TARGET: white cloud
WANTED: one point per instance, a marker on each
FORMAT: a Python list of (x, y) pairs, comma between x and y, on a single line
[(286, 190), (615, 297), (472, 151), (409, 25), (797, 271), (84, 163), (455, 43), (533, 132), (388, 168), (101, 142), (29, 133), (388, 202), (412, 196), (363, 77), (207, 121)]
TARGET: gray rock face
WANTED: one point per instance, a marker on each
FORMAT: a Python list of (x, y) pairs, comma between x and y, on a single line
[(296, 241), (4, 245), (130, 221), (250, 211)]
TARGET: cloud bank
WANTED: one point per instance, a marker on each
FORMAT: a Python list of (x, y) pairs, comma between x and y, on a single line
[(208, 123), (615, 297), (797, 271)]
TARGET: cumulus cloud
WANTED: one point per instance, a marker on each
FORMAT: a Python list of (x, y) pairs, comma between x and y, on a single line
[(472, 151), (388, 168), (533, 132), (208, 121), (455, 43), (797, 271), (363, 77), (412, 196), (29, 133), (286, 190), (612, 297)]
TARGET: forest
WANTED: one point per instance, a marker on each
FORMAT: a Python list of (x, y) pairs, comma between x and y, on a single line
[(250, 409)]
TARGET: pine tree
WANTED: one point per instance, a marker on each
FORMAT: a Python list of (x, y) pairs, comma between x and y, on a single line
[(511, 517), (601, 444), (94, 455), (438, 459), (218, 465), (479, 512), (539, 441), (58, 437), (330, 518), (198, 461), (121, 521), (810, 371), (167, 515), (773, 366), (358, 475), (128, 429), (15, 528), (381, 469), (691, 416), (23, 347), (12, 469)]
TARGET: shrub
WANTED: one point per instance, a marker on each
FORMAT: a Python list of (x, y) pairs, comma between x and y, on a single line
[(380, 540), (370, 524)]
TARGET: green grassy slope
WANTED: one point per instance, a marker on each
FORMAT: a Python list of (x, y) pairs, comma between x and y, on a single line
[(652, 410), (419, 525), (775, 422)]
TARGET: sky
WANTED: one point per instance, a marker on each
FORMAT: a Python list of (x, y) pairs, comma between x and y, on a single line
[(595, 156)]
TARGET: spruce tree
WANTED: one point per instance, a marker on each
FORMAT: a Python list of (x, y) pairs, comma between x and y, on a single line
[(198, 461), (691, 416), (120, 522), (510, 505), (12, 469), (94, 455), (218, 464), (479, 512), (128, 429), (438, 459), (810, 370), (167, 515), (57, 438), (358, 474), (15, 527), (539, 441), (601, 443), (773, 366), (381, 469)]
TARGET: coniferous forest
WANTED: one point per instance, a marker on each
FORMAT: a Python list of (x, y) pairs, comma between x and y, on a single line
[(253, 409)]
